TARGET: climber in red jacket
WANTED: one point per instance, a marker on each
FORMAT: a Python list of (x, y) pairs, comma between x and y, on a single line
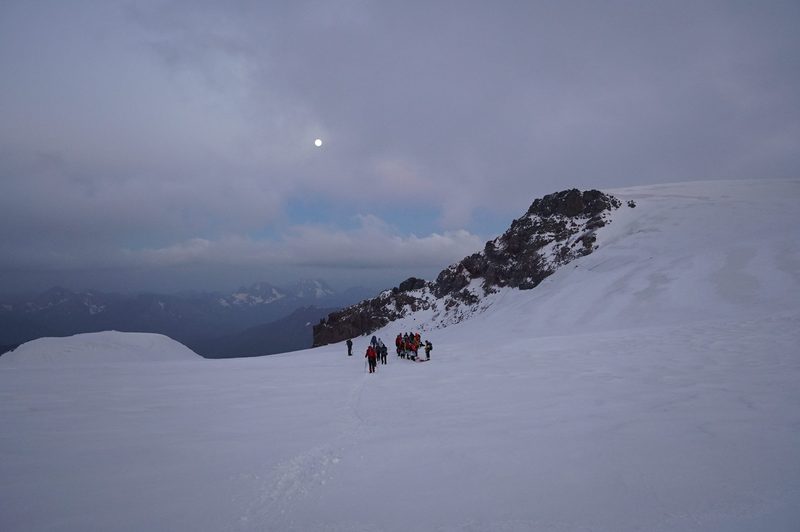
[(372, 358)]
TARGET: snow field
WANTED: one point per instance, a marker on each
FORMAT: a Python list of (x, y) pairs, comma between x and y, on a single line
[(652, 385), (672, 428)]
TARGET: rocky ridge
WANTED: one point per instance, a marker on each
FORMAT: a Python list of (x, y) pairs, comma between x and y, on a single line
[(554, 231)]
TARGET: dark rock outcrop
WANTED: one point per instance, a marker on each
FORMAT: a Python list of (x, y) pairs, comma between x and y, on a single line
[(555, 230), (412, 283)]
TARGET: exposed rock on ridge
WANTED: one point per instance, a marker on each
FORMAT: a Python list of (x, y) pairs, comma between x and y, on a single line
[(555, 230)]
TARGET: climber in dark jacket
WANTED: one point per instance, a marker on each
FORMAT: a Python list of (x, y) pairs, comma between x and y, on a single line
[(349, 347), (382, 352)]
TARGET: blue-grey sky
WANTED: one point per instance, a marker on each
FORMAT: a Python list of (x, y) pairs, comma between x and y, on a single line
[(169, 145)]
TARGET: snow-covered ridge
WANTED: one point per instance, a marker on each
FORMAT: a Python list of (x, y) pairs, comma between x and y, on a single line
[(663, 255), (556, 229), (688, 252), (102, 347)]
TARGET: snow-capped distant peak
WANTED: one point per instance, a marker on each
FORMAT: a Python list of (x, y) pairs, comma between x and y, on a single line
[(265, 293), (91, 306), (312, 289), (257, 294)]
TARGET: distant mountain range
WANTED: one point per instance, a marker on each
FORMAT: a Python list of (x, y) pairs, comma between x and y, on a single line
[(289, 333), (198, 320)]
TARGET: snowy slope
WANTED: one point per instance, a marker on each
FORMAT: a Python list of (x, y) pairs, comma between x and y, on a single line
[(687, 252), (652, 385), (102, 347)]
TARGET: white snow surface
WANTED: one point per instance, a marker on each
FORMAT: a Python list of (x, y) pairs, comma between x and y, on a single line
[(102, 347), (651, 386)]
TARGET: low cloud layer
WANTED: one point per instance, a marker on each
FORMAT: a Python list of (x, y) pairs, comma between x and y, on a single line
[(183, 131), (372, 245)]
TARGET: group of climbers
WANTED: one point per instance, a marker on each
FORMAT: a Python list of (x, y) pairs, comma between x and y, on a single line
[(407, 347)]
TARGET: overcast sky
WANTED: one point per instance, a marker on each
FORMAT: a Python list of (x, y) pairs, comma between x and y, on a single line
[(169, 145)]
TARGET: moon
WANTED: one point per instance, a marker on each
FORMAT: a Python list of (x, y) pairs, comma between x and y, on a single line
[(318, 143)]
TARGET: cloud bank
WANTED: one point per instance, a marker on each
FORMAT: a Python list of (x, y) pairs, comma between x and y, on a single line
[(169, 132)]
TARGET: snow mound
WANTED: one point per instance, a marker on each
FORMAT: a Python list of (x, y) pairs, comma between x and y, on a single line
[(101, 347)]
